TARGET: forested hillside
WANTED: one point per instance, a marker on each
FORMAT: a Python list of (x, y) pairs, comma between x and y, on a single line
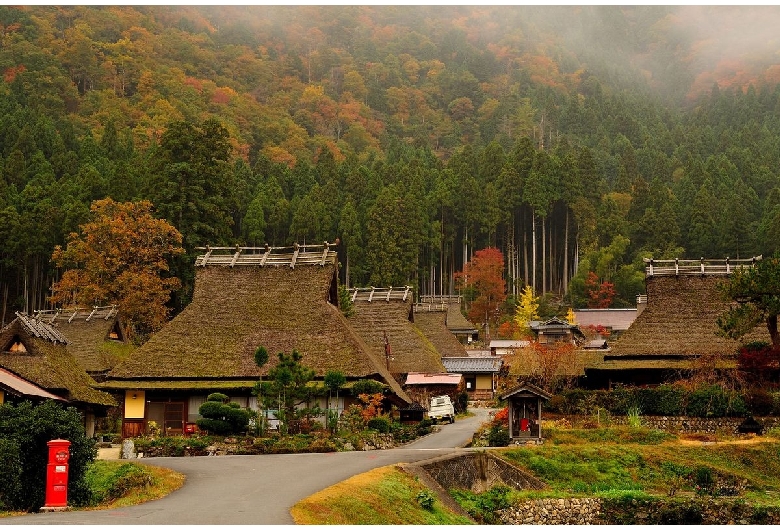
[(574, 139)]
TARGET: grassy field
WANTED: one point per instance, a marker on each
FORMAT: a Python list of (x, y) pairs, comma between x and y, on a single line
[(614, 462), (382, 496)]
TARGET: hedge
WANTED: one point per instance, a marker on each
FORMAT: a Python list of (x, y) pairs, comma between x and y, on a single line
[(707, 401)]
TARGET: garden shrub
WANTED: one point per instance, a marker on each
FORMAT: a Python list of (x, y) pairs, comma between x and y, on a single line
[(10, 473), (381, 424), (119, 483), (498, 436), (424, 427), (708, 401), (221, 416), (25, 430), (670, 400)]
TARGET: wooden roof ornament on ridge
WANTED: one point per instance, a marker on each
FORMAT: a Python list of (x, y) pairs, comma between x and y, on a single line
[(87, 331), (41, 330), (239, 305), (268, 256)]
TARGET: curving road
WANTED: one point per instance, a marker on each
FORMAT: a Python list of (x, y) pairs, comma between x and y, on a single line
[(232, 490)]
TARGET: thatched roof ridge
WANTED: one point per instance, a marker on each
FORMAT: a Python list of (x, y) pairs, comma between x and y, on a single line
[(48, 364), (86, 331), (236, 310), (389, 317), (680, 318)]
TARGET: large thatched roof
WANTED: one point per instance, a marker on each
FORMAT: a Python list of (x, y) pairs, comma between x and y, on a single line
[(680, 319), (44, 360), (286, 302), (87, 332), (386, 314)]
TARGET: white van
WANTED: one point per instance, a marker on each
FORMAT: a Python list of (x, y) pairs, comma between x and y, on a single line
[(442, 409)]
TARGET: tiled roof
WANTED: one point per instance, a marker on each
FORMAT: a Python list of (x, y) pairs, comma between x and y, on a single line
[(472, 364)]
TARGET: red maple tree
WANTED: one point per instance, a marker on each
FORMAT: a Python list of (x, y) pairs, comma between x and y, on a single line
[(484, 275), (600, 294)]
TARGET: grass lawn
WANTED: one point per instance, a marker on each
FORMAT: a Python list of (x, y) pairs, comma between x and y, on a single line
[(613, 462), (382, 496)]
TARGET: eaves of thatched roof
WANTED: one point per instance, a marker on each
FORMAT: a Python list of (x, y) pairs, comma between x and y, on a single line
[(680, 319), (87, 333), (18, 386), (49, 365), (385, 318), (236, 309)]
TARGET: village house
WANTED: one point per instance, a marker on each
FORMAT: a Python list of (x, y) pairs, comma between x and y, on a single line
[(95, 336), (36, 363), (280, 298), (676, 334), (480, 374)]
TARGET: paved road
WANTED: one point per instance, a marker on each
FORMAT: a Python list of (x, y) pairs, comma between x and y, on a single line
[(231, 490)]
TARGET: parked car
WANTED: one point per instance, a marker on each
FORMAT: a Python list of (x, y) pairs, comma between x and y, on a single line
[(442, 409)]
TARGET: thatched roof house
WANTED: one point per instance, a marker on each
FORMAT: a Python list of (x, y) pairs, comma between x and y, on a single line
[(92, 335), (454, 320), (384, 319), (281, 298), (431, 319), (677, 331), (36, 351)]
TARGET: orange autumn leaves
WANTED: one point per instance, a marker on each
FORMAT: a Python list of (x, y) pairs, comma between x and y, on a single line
[(120, 257)]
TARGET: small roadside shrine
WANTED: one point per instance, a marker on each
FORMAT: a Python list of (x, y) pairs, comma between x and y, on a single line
[(525, 411)]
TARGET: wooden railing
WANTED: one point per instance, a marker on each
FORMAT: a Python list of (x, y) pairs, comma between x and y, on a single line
[(268, 256), (436, 303), (692, 267), (375, 294)]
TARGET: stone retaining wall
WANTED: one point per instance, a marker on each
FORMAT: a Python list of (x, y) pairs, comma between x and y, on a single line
[(478, 472), (707, 511), (683, 424), (553, 511)]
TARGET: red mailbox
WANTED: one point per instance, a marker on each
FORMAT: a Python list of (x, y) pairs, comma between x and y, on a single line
[(57, 475)]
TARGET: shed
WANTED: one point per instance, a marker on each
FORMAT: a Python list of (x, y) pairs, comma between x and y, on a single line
[(479, 374), (421, 387), (525, 411)]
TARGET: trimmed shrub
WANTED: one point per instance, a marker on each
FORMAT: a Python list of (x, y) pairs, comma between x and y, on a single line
[(221, 416), (380, 424)]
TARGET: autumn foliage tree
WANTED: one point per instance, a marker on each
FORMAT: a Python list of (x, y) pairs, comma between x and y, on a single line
[(120, 257), (484, 276), (600, 294), (526, 311)]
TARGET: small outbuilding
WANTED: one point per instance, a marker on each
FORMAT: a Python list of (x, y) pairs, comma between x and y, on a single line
[(525, 411)]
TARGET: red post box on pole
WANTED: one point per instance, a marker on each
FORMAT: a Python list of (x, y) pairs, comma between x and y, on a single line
[(57, 475)]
